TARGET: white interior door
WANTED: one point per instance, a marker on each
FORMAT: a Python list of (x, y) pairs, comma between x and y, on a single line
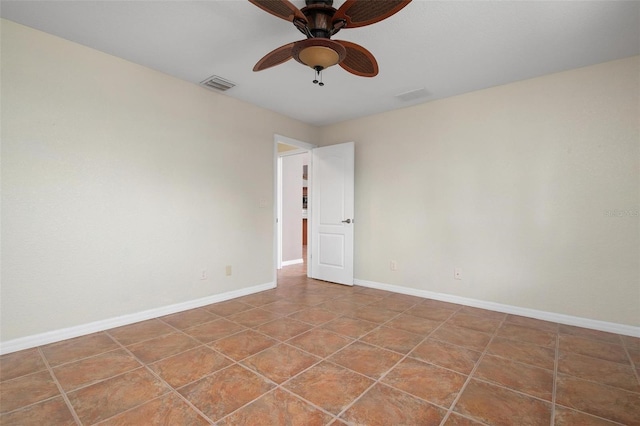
[(332, 213)]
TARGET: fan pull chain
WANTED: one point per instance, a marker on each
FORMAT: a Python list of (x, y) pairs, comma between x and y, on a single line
[(318, 75)]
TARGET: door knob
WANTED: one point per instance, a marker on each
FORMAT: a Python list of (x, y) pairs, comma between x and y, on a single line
[(346, 221)]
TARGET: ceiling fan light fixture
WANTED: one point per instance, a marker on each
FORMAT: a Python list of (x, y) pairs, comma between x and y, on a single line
[(318, 53), (319, 56)]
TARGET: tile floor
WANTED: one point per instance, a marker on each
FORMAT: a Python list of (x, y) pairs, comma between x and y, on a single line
[(313, 353)]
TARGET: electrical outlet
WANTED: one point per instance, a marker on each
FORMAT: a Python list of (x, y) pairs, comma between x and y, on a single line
[(457, 273), (203, 274), (227, 270), (393, 265)]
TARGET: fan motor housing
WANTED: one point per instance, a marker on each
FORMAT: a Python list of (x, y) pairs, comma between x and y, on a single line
[(322, 2), (319, 20)]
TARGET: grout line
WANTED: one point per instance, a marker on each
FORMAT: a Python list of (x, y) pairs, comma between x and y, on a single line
[(498, 385), (247, 404), (555, 379), (636, 371), (192, 326), (592, 415), (171, 388), (239, 363), (281, 387), (378, 381), (133, 408), (465, 416), (25, 407), (606, 385), (67, 363), (60, 389), (295, 395), (472, 372), (326, 359)]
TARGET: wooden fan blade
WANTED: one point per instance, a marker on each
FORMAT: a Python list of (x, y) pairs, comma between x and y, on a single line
[(275, 57), (358, 13), (359, 61), (281, 8)]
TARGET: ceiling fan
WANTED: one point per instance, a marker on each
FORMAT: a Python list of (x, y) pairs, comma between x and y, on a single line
[(319, 21)]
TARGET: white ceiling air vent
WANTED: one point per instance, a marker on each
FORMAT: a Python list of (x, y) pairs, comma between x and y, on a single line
[(217, 83), (413, 94)]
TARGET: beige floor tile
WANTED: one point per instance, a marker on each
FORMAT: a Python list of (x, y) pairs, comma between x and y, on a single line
[(598, 370), (382, 406), (594, 348), (523, 378), (393, 339), (190, 366), (189, 318), (283, 328), (163, 347), (166, 410), (412, 324), (429, 382), (254, 317), (225, 391), (91, 370), (140, 331), (470, 339), (78, 348), (496, 405), (350, 327), (227, 308), (599, 400), (524, 352), (366, 359), (244, 344), (278, 408), (20, 363), (26, 390), (329, 386), (211, 331), (314, 316), (532, 323), (526, 334), (320, 342), (446, 355), (105, 399), (567, 417), (50, 412), (280, 363), (463, 319)]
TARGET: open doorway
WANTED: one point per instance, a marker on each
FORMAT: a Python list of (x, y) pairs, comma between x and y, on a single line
[(294, 207), (292, 204)]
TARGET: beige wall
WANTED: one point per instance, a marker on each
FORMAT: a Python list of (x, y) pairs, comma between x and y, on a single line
[(120, 184), (514, 185)]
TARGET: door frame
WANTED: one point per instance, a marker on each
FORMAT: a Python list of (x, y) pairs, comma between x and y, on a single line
[(277, 201)]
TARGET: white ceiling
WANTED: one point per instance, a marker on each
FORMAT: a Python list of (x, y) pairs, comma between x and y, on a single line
[(445, 47)]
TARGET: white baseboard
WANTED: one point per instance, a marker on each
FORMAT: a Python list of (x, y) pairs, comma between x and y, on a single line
[(627, 330), (96, 326), (292, 262), (93, 327)]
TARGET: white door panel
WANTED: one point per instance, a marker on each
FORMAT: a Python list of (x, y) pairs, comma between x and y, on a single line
[(331, 250), (332, 211)]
